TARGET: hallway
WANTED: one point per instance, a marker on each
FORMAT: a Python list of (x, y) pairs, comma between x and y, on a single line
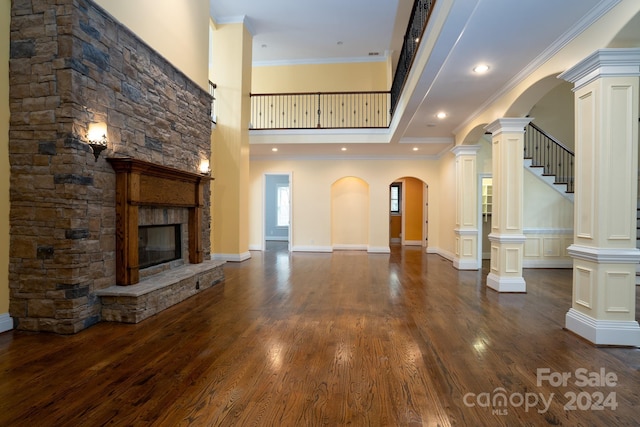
[(343, 338)]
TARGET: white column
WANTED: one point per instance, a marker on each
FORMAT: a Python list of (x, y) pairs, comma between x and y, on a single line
[(506, 237), (466, 231), (604, 247)]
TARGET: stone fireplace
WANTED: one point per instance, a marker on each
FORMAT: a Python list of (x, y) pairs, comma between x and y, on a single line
[(72, 261)]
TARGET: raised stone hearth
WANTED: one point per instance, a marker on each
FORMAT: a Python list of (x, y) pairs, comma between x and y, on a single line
[(134, 303)]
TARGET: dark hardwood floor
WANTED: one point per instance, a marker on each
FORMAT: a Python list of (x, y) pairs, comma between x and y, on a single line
[(329, 340)]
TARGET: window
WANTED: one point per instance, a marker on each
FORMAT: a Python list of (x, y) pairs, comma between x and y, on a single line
[(282, 206), (395, 193)]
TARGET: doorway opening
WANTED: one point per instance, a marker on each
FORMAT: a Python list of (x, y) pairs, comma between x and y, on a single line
[(485, 211), (408, 212), (277, 210)]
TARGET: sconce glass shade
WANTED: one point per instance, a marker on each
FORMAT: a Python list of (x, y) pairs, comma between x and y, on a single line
[(97, 138), (204, 167)]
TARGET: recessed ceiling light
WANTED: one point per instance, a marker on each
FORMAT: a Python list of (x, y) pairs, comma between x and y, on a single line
[(274, 149), (481, 68), (344, 148), (441, 115), (415, 148), (339, 43)]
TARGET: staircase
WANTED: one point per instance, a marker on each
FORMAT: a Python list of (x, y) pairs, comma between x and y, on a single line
[(551, 160)]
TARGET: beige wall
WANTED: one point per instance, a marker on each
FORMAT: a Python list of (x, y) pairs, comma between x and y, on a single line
[(554, 114), (339, 77), (179, 31), (311, 184), (443, 230), (5, 19), (232, 60), (350, 213)]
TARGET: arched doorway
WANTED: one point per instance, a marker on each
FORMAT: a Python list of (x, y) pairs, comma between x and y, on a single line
[(408, 212)]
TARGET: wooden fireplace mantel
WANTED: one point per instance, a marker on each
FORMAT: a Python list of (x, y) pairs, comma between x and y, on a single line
[(140, 183)]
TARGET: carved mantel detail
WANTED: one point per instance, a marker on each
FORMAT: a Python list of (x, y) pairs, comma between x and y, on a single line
[(140, 183)]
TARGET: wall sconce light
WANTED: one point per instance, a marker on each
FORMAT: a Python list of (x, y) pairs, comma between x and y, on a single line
[(204, 167), (97, 138)]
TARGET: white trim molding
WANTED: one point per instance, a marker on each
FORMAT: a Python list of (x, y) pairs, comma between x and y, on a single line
[(6, 322), (506, 284), (465, 231), (461, 150), (438, 251), (465, 264), (604, 63), (603, 332), (507, 238), (312, 249), (551, 231), (413, 242), (232, 257), (605, 255), (349, 247), (379, 249), (508, 124)]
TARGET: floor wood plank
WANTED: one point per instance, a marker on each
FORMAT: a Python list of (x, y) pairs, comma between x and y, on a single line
[(305, 339)]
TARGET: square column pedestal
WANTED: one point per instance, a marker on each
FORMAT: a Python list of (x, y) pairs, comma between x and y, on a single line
[(604, 294), (606, 182)]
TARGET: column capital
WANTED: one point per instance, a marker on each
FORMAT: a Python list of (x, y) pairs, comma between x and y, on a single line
[(508, 124), (604, 63), (462, 150)]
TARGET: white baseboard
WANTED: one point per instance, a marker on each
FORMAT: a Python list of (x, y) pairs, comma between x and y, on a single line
[(232, 257), (347, 247), (506, 284), (444, 254), (6, 322), (603, 332), (311, 249), (379, 249), (255, 247), (413, 242), (465, 264)]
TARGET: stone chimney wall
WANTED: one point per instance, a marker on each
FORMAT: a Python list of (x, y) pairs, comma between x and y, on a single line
[(72, 64)]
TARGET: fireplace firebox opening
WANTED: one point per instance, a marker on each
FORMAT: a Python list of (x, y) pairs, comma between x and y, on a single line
[(158, 244)]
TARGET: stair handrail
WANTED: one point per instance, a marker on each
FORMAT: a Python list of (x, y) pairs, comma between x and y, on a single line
[(556, 158)]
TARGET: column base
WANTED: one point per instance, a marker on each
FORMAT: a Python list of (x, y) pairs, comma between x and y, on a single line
[(603, 332), (465, 264), (506, 284)]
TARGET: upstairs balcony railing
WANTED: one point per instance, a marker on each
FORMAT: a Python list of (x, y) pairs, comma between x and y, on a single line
[(340, 110), (415, 30), (320, 110)]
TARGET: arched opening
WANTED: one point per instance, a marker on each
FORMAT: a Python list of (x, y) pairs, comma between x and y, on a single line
[(408, 212)]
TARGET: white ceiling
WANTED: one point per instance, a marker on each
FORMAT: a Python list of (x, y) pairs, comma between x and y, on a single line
[(509, 35)]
